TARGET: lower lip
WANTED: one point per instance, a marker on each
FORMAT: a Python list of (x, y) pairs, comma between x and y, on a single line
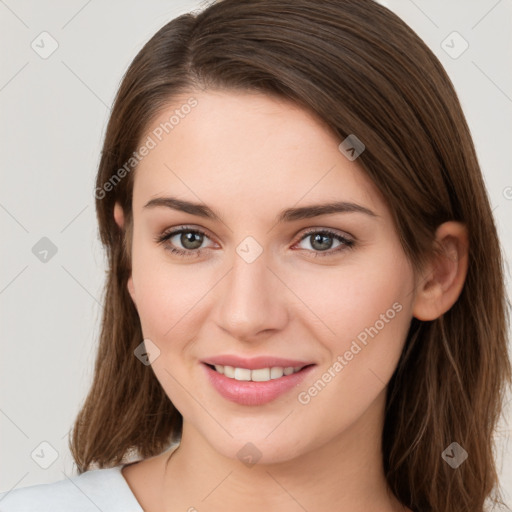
[(245, 392)]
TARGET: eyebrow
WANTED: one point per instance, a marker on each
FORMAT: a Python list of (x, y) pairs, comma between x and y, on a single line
[(287, 215)]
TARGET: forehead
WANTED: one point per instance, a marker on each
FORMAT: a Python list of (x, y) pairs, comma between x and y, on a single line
[(248, 150)]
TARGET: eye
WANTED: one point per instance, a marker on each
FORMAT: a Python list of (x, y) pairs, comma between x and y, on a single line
[(190, 239), (321, 242)]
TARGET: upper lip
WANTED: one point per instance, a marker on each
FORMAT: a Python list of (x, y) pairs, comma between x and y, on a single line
[(254, 363)]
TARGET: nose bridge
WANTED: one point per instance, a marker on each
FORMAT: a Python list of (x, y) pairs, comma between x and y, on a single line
[(252, 298)]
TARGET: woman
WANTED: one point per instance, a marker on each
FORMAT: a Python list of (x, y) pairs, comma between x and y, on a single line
[(339, 345)]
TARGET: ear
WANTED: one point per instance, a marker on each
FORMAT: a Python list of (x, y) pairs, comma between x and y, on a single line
[(119, 215), (443, 278), (119, 219)]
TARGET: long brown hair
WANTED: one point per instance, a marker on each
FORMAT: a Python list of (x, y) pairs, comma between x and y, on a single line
[(363, 71)]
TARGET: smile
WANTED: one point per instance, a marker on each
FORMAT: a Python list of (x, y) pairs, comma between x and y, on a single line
[(254, 381), (257, 375)]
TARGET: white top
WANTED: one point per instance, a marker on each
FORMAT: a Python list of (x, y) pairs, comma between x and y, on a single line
[(104, 490)]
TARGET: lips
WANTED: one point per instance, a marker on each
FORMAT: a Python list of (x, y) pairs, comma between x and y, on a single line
[(254, 381)]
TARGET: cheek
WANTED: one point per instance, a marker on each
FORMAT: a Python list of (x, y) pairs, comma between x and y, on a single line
[(352, 297), (368, 306), (166, 293)]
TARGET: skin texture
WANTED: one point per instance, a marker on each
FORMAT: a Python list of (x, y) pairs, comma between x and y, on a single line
[(248, 156)]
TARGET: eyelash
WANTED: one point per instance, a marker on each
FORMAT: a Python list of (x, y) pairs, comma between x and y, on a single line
[(164, 237)]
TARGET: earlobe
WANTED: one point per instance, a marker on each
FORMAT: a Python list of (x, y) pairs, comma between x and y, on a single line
[(118, 215), (443, 279), (131, 289)]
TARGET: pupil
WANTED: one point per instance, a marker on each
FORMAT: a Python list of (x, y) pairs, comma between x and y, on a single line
[(325, 241)]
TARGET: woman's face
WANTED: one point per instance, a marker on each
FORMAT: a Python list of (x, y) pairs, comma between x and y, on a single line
[(268, 284)]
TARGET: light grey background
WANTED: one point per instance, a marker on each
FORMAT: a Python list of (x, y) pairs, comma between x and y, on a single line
[(54, 112)]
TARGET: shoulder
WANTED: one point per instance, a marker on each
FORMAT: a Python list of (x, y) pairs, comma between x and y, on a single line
[(99, 489)]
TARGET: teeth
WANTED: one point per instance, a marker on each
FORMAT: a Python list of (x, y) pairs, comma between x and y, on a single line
[(262, 374), (242, 374), (229, 371), (258, 375)]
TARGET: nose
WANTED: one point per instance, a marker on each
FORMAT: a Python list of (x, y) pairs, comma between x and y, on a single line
[(252, 300)]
